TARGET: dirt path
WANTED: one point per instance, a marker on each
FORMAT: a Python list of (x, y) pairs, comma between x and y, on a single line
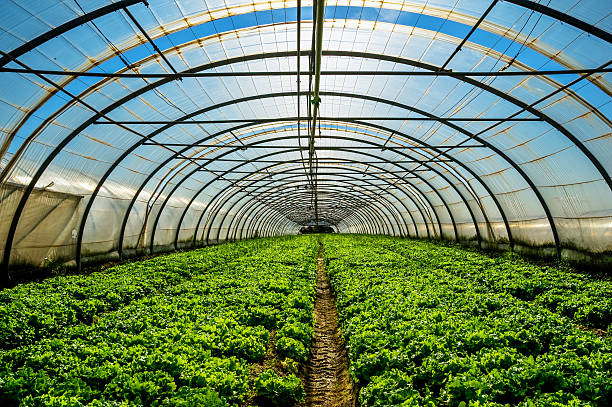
[(328, 383)]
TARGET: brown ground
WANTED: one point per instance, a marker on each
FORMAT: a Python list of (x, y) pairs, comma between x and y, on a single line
[(328, 383)]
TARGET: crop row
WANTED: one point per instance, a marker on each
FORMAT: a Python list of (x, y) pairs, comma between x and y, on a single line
[(579, 296), (194, 328), (432, 325)]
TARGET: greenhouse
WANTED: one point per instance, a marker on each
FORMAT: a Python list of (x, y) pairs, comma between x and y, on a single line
[(311, 203)]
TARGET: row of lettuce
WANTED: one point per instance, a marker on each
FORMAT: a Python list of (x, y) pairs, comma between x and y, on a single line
[(224, 325), (429, 324)]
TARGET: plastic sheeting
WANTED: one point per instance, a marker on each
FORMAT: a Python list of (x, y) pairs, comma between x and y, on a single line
[(540, 182)]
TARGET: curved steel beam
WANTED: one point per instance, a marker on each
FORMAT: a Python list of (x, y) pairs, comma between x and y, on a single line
[(370, 215), (366, 223), (469, 80), (292, 161), (240, 212), (266, 177), (127, 152), (566, 18), (267, 213), (179, 183), (332, 216), (348, 150), (247, 214), (386, 203), (388, 206), (158, 131), (80, 128), (67, 26), (278, 152), (296, 198)]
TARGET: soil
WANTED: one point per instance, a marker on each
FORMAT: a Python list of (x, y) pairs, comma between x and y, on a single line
[(328, 383)]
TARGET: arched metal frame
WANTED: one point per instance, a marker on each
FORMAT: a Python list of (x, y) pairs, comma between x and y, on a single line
[(32, 44), (407, 210), (351, 169), (371, 214), (178, 184), (367, 220), (384, 202), (248, 215), (220, 177), (271, 166), (364, 224), (260, 207)]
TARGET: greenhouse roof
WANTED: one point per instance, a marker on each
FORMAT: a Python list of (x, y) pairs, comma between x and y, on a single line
[(175, 122)]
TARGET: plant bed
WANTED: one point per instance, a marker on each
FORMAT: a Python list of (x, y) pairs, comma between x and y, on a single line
[(178, 330)]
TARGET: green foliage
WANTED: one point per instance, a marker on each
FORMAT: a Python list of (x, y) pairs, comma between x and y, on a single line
[(276, 390), (430, 324), (291, 348), (176, 330)]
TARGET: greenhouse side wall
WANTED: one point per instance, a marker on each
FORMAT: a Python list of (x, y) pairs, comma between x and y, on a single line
[(47, 231)]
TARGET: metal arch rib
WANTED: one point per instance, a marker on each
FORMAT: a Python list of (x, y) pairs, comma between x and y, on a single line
[(325, 187), (290, 93), (65, 141), (276, 139), (280, 202), (566, 18), (396, 104), (27, 192), (365, 221), (279, 198), (240, 212), (245, 212), (63, 28), (247, 162), (369, 215), (387, 204), (67, 26), (377, 216), (279, 172), (278, 152)]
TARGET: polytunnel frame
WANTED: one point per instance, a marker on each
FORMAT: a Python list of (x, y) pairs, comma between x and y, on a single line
[(366, 223), (229, 171), (369, 218), (148, 138), (401, 225), (297, 162), (152, 173), (390, 148), (333, 53), (122, 4), (301, 161), (246, 211), (382, 161), (388, 130), (186, 177), (275, 196), (233, 129), (252, 212), (336, 194)]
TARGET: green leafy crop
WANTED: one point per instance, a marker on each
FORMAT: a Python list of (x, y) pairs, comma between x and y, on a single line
[(186, 329), (275, 390), (432, 324)]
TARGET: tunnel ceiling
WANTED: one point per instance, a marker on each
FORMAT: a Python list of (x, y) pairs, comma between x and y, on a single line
[(168, 123)]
